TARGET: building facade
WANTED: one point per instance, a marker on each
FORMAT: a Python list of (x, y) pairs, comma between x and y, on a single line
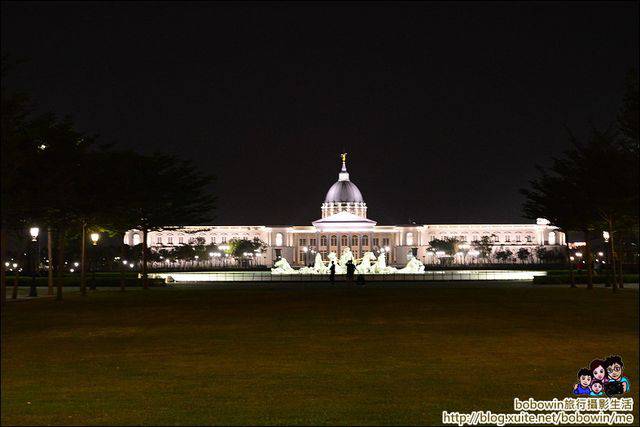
[(344, 223)]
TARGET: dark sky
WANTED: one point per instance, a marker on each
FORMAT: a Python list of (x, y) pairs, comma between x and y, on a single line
[(444, 109)]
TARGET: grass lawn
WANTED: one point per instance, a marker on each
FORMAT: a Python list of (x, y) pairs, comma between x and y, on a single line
[(290, 354)]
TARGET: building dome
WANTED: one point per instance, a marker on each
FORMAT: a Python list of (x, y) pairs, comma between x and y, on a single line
[(344, 196), (343, 191)]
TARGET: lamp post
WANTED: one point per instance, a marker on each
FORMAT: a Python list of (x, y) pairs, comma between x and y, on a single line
[(34, 231), (94, 242), (16, 278)]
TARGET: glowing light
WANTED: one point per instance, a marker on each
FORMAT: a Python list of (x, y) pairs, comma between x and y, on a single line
[(571, 258), (124, 261), (305, 249), (76, 264), (600, 253), (95, 237), (15, 265), (34, 231), (71, 270), (211, 254), (6, 264), (131, 265), (578, 254), (605, 236)]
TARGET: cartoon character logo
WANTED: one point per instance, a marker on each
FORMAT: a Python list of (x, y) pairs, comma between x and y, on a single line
[(602, 377)]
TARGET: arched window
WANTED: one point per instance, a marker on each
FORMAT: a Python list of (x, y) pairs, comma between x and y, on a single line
[(552, 238), (136, 239), (323, 240), (344, 241), (528, 239), (334, 241), (518, 238), (181, 239), (409, 239), (496, 238), (278, 239), (354, 240), (365, 240), (159, 240), (170, 239), (213, 239), (475, 237)]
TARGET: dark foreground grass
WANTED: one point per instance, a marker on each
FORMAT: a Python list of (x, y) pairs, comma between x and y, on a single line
[(314, 355)]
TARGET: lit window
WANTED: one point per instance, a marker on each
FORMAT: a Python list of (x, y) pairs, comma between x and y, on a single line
[(354, 240), (323, 241), (334, 241), (552, 238), (278, 239), (136, 239), (409, 239)]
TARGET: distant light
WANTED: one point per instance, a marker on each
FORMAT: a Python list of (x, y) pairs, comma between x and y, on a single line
[(6, 264), (571, 258), (605, 236), (131, 265), (71, 270), (386, 248), (42, 146), (578, 254), (196, 257), (15, 265), (124, 261), (600, 253), (211, 254), (76, 264), (305, 249), (34, 231)]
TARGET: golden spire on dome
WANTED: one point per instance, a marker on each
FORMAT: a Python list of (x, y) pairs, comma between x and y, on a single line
[(344, 157)]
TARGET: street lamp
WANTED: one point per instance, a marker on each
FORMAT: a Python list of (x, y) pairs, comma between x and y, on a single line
[(94, 238), (34, 231), (94, 242)]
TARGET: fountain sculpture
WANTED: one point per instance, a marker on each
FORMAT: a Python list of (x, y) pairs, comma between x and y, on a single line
[(368, 264)]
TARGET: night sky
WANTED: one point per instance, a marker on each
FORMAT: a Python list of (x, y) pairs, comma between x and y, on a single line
[(444, 109)]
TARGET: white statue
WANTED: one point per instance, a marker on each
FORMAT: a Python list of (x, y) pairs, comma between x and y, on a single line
[(333, 258), (318, 265), (365, 264), (380, 267), (282, 266), (346, 256), (414, 265)]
